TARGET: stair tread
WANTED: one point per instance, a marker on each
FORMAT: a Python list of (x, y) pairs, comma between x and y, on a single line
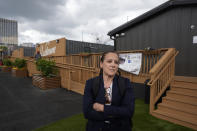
[(177, 116), (179, 108), (185, 79), (194, 94), (184, 107), (181, 100), (186, 90), (184, 97), (179, 112), (190, 86)]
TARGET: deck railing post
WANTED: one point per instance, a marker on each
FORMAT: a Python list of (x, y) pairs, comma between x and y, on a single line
[(69, 81), (152, 104)]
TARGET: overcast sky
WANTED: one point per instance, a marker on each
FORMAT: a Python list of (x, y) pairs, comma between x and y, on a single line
[(45, 20)]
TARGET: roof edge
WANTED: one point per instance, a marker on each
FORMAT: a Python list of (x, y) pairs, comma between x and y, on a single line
[(150, 13)]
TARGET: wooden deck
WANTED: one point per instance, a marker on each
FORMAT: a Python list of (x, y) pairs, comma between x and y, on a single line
[(178, 106)]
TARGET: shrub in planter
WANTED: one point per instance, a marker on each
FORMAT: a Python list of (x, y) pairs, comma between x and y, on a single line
[(46, 67), (4, 48), (7, 62), (19, 68), (19, 63), (48, 78), (7, 65), (3, 51)]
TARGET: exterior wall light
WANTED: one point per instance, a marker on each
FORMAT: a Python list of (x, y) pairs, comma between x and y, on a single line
[(122, 34), (117, 35), (192, 27), (112, 37)]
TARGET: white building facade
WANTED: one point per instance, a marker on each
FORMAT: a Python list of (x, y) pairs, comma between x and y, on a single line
[(8, 32)]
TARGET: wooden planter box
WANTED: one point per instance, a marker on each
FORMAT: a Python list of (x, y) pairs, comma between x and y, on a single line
[(46, 82), (6, 69), (19, 72)]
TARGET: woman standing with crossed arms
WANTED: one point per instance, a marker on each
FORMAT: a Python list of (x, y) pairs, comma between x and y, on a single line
[(108, 110)]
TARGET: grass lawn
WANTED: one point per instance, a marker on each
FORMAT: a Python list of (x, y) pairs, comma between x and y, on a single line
[(142, 121)]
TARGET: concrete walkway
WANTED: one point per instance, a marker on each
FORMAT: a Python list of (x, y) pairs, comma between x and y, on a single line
[(24, 107)]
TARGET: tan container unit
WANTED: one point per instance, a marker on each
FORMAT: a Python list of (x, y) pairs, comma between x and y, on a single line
[(63, 47), (19, 53), (52, 48)]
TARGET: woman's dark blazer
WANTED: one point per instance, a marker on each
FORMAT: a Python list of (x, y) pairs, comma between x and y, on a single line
[(119, 112)]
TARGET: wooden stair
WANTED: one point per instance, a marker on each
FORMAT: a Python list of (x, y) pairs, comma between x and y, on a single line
[(180, 103)]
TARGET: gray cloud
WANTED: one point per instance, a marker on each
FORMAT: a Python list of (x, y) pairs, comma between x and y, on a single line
[(70, 17), (29, 9), (40, 15)]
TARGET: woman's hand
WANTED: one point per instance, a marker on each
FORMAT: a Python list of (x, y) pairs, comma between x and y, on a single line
[(98, 107)]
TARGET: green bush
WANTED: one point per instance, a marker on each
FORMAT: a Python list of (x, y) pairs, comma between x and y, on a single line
[(46, 67), (4, 48), (19, 63), (7, 62)]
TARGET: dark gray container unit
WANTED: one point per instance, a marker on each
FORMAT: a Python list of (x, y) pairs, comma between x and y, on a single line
[(29, 51), (172, 24), (76, 47)]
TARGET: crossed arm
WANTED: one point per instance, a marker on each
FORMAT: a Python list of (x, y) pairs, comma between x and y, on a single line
[(98, 111)]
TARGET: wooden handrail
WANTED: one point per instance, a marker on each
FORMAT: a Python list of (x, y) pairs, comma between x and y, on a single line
[(162, 61), (161, 75), (131, 51), (155, 78), (92, 62)]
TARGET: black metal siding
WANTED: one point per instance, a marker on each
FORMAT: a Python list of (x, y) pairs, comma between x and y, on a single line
[(28, 51), (169, 29), (76, 47), (157, 10)]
